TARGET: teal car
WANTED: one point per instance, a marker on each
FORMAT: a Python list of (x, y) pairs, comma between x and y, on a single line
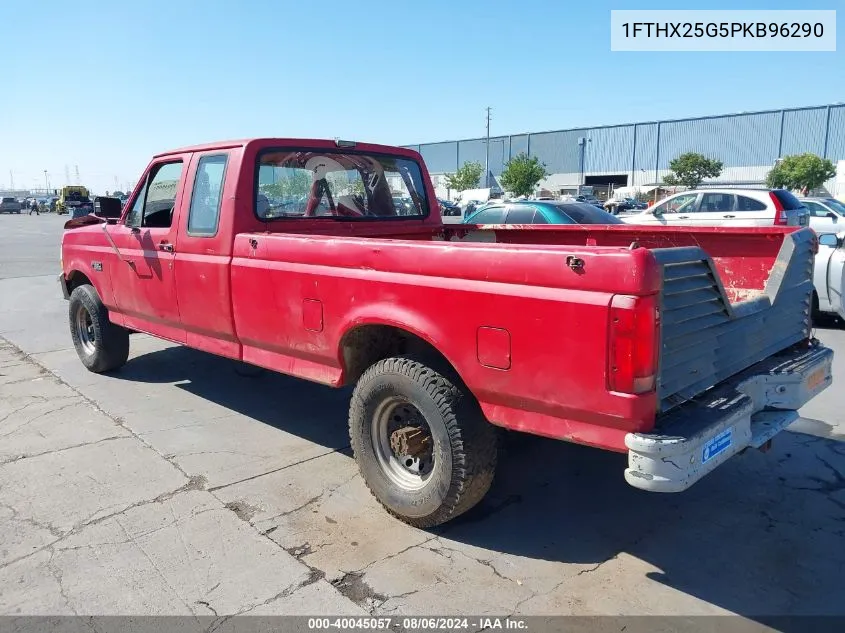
[(541, 212)]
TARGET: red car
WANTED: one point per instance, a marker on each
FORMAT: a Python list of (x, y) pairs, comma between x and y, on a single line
[(673, 345)]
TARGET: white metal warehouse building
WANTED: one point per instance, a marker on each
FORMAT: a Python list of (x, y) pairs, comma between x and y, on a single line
[(638, 154)]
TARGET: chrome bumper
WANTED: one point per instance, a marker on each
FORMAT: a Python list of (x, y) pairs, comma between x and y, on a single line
[(744, 411)]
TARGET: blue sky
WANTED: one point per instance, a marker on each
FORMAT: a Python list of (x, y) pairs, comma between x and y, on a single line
[(105, 84)]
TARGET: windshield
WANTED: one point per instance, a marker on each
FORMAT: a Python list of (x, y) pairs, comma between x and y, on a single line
[(836, 206), (327, 184)]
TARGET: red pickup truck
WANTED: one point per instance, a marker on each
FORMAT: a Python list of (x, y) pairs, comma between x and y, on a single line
[(327, 260)]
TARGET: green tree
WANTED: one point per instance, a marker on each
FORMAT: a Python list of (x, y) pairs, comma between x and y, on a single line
[(466, 177), (291, 184), (800, 172), (691, 168), (522, 173)]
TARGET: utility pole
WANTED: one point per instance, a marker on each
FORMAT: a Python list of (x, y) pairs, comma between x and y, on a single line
[(46, 182), (487, 152), (67, 175), (11, 180), (76, 170)]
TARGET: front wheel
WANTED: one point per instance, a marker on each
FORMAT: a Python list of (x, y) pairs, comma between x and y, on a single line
[(422, 445), (100, 344)]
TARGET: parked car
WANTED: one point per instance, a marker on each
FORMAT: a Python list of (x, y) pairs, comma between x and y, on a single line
[(449, 208), (829, 276), (10, 205), (827, 215), (541, 212), (617, 205), (726, 207), (590, 333), (589, 199)]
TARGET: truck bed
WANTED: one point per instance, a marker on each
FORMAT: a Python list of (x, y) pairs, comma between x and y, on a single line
[(728, 299)]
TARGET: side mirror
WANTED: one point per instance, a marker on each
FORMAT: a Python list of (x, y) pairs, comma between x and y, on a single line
[(832, 216), (830, 239), (108, 208)]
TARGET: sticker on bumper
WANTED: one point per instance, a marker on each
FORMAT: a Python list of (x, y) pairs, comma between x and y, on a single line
[(716, 445)]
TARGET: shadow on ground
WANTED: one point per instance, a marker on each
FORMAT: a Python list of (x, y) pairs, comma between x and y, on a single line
[(760, 536)]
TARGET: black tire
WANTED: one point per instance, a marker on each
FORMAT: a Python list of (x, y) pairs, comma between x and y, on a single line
[(103, 346), (464, 442)]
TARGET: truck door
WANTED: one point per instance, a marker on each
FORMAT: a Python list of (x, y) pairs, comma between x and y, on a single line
[(144, 282), (204, 255)]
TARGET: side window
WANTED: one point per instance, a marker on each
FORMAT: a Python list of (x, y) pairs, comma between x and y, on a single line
[(744, 203), (711, 202), (491, 215), (204, 214), (520, 214), (679, 204), (816, 210), (153, 208)]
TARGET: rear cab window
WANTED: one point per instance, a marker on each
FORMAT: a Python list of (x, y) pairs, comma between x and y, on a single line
[(343, 185)]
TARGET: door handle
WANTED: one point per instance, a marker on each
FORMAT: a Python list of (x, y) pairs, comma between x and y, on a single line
[(728, 216), (165, 246), (683, 217)]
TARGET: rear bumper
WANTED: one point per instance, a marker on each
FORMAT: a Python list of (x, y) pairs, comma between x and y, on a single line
[(744, 411)]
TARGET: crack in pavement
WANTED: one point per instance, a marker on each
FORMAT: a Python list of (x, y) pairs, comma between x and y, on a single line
[(275, 470), (194, 483), (39, 416), (18, 458)]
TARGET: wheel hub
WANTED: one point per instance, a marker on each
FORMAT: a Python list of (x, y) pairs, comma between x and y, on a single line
[(403, 443)]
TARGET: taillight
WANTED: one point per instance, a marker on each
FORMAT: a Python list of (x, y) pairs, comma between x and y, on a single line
[(633, 344), (780, 212)]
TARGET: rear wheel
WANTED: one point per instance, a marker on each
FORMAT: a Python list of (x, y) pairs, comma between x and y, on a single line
[(100, 344), (422, 445)]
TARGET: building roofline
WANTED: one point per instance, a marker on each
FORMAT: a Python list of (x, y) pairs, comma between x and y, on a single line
[(635, 123)]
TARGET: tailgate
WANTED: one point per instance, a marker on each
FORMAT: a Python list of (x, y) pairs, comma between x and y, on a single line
[(706, 338)]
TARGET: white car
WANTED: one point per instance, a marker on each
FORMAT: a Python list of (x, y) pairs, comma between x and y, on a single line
[(827, 215), (829, 275), (725, 207)]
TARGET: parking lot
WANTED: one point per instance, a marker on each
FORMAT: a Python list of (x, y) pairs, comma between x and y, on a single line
[(183, 484)]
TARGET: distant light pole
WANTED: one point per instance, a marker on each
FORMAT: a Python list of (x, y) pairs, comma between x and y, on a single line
[(487, 153), (582, 143), (46, 183)]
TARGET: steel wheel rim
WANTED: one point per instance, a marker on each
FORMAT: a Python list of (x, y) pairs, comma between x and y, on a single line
[(408, 472), (85, 331)]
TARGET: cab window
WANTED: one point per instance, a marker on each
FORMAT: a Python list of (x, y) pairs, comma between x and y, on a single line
[(204, 213), (153, 208)]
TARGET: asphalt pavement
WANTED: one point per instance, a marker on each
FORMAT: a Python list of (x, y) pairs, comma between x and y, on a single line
[(181, 485)]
